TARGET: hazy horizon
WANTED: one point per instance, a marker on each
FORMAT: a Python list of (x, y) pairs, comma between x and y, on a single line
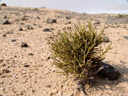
[(82, 6)]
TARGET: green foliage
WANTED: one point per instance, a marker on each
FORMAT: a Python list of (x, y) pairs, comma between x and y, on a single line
[(3, 4), (77, 51), (121, 16)]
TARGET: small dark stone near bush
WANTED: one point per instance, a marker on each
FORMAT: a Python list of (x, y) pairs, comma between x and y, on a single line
[(96, 22), (109, 72), (26, 66), (24, 45), (125, 37), (106, 39), (51, 20)]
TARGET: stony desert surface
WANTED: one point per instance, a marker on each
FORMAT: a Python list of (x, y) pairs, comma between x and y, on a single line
[(26, 66)]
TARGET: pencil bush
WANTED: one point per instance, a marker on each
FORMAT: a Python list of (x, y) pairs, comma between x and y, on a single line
[(77, 51)]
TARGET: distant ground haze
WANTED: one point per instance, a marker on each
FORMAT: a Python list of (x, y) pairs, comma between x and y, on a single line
[(82, 6)]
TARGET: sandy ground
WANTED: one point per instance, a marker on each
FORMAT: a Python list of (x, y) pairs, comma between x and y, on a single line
[(30, 71)]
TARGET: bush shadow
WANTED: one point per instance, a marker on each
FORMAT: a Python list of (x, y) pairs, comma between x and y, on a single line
[(102, 83)]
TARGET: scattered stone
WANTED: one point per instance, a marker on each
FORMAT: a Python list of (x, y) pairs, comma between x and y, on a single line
[(30, 54), (29, 27), (14, 40), (40, 26), (49, 57), (122, 62), (51, 20), (106, 39), (125, 37), (21, 23), (1, 60), (47, 30), (38, 17), (24, 18), (68, 22), (5, 22), (109, 72), (6, 71), (24, 45), (96, 23), (67, 17), (9, 32), (48, 86), (5, 17), (26, 66), (20, 29)]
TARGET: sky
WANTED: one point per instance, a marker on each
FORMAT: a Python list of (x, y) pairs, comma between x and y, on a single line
[(82, 6)]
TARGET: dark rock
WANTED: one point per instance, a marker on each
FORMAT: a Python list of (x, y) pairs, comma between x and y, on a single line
[(20, 29), (6, 71), (9, 32), (26, 66), (30, 54), (125, 37), (51, 20), (106, 39), (5, 22), (40, 26), (109, 72), (1, 60), (67, 17), (47, 30), (68, 22), (14, 40), (48, 86), (24, 45), (38, 17), (29, 27), (24, 18), (21, 23), (5, 17), (49, 57), (96, 23)]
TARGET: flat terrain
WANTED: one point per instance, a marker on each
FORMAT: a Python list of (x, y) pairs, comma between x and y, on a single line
[(26, 67)]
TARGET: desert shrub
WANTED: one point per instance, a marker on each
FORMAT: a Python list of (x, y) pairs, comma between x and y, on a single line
[(3, 4), (77, 51), (121, 16)]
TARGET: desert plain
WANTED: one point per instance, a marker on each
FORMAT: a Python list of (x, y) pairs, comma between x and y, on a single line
[(26, 66)]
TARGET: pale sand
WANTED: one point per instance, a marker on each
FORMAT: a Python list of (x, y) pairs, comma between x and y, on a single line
[(40, 77)]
